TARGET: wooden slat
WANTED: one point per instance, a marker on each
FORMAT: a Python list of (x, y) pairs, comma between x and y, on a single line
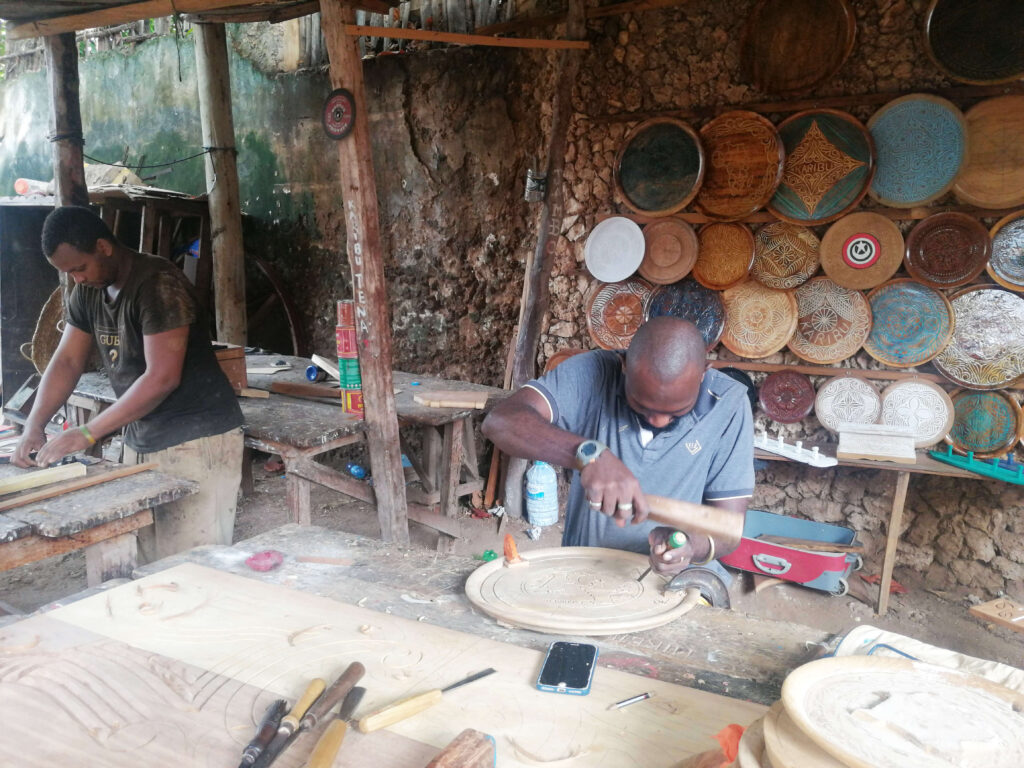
[(892, 538), (824, 370), (356, 30), (74, 485), (108, 17), (35, 478), (33, 548)]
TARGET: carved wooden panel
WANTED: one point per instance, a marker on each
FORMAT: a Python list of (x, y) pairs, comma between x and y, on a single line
[(725, 254), (615, 311), (987, 347), (785, 255), (758, 320), (947, 249), (833, 323)]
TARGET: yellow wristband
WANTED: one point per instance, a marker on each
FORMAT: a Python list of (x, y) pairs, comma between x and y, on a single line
[(711, 553), (87, 434)]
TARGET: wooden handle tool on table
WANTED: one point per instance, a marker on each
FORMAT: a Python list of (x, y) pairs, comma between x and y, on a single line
[(327, 747), (264, 734), (338, 691), (290, 723), (725, 527), (470, 749), (412, 705)]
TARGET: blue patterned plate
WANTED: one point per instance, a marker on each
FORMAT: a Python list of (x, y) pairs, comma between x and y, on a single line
[(920, 144), (691, 301), (911, 323), (988, 423)]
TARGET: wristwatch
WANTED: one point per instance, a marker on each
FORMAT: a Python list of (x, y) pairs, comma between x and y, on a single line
[(587, 452)]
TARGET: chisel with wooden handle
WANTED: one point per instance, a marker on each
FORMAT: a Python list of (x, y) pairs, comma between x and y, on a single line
[(290, 723), (405, 708), (327, 747), (268, 727), (338, 691)]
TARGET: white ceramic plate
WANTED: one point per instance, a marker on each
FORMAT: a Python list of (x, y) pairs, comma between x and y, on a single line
[(614, 249)]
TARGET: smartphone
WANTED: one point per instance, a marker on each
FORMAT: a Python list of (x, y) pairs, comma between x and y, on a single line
[(568, 668)]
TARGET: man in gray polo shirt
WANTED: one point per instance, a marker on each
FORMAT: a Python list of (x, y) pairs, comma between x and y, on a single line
[(653, 421)]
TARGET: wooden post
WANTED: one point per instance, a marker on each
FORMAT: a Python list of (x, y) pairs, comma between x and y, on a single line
[(65, 120), (892, 540), (214, 84), (365, 257)]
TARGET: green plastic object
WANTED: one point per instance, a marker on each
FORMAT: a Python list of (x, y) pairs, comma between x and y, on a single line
[(488, 555), (1007, 470)]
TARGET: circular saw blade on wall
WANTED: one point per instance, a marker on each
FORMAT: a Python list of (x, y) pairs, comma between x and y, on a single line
[(339, 115)]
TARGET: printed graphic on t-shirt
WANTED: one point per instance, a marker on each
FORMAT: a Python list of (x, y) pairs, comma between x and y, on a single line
[(109, 340)]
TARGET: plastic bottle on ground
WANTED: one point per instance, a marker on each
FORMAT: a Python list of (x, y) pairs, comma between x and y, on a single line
[(541, 494)]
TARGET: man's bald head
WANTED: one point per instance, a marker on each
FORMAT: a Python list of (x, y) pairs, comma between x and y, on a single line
[(666, 348)]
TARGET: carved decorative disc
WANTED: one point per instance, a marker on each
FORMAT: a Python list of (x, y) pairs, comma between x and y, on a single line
[(725, 254), (1006, 266), (829, 165), (911, 323), (847, 400), (786, 396), (947, 249), (789, 745), (758, 320), (918, 405), (976, 41), (993, 173), (659, 167), (987, 423), (920, 144), (670, 253), (615, 311), (834, 322), (744, 165), (574, 590), (785, 255), (862, 250), (614, 249), (987, 348), (691, 301)]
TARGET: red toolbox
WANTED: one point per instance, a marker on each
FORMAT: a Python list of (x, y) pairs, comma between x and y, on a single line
[(825, 571)]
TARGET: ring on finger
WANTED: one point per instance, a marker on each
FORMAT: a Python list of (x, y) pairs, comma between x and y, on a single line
[(624, 506), (594, 504)]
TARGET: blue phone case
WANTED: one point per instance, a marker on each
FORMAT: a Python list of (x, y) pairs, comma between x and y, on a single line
[(572, 690)]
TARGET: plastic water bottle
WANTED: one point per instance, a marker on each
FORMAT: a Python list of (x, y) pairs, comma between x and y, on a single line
[(541, 494)]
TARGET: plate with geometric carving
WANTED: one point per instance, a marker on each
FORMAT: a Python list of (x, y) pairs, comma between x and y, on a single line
[(786, 396), (987, 423), (987, 347), (725, 254), (947, 250), (575, 590), (615, 311), (830, 160), (785, 255), (847, 399), (918, 405), (758, 320), (659, 166), (833, 323), (691, 301), (911, 323), (1006, 265)]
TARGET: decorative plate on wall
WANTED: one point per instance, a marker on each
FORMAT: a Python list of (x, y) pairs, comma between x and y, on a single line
[(615, 311), (993, 172), (725, 254), (691, 301), (976, 41), (758, 320), (829, 165), (947, 249), (671, 251), (911, 323), (987, 423), (744, 157), (834, 322), (659, 167), (847, 400), (789, 46), (614, 249), (1006, 265), (918, 405), (987, 348), (920, 144), (785, 255), (862, 250), (786, 396)]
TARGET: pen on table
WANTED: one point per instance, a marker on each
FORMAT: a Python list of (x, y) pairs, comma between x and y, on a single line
[(633, 700)]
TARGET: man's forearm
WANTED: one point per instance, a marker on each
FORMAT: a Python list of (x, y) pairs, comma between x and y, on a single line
[(140, 399), (55, 388), (518, 430)]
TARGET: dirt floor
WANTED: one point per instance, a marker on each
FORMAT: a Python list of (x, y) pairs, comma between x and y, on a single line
[(935, 617)]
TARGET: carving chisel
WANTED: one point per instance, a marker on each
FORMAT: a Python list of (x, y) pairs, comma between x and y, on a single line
[(338, 691), (290, 723), (327, 747), (676, 540), (412, 705), (268, 727)]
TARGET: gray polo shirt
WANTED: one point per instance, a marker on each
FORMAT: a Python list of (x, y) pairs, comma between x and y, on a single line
[(705, 455)]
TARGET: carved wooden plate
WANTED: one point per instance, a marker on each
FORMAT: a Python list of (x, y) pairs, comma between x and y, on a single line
[(918, 405), (785, 255), (993, 173), (1006, 265), (987, 347), (789, 46), (862, 250), (789, 747), (725, 254), (659, 167), (614, 249), (691, 301), (920, 145), (671, 251), (574, 590), (744, 165), (615, 311), (847, 399), (829, 166), (751, 746), (758, 320), (947, 249), (786, 396), (834, 322), (911, 323), (987, 423), (976, 41)]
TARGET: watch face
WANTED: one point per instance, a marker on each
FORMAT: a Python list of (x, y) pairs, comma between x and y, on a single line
[(588, 449)]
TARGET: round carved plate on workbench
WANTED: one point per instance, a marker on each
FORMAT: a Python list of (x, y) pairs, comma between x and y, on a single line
[(847, 399), (911, 323), (758, 320), (993, 172), (691, 301), (751, 746), (920, 145), (947, 249), (786, 396), (976, 41), (920, 406), (789, 747), (830, 160), (833, 322), (575, 590), (615, 311), (1006, 265), (986, 423), (862, 250), (785, 255), (873, 712), (614, 249), (789, 46), (724, 256), (659, 167), (987, 347), (670, 253), (744, 157)]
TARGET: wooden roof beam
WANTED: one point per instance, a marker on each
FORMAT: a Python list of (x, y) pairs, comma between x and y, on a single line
[(397, 33), (241, 14), (107, 17)]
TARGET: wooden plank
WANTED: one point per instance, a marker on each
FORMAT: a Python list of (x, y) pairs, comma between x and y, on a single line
[(75, 485), (34, 478), (1002, 611), (251, 392), (329, 367), (876, 442), (451, 471), (811, 545), (825, 370), (35, 547), (295, 389), (634, 6), (892, 539), (518, 25), (451, 399), (65, 121), (357, 30)]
